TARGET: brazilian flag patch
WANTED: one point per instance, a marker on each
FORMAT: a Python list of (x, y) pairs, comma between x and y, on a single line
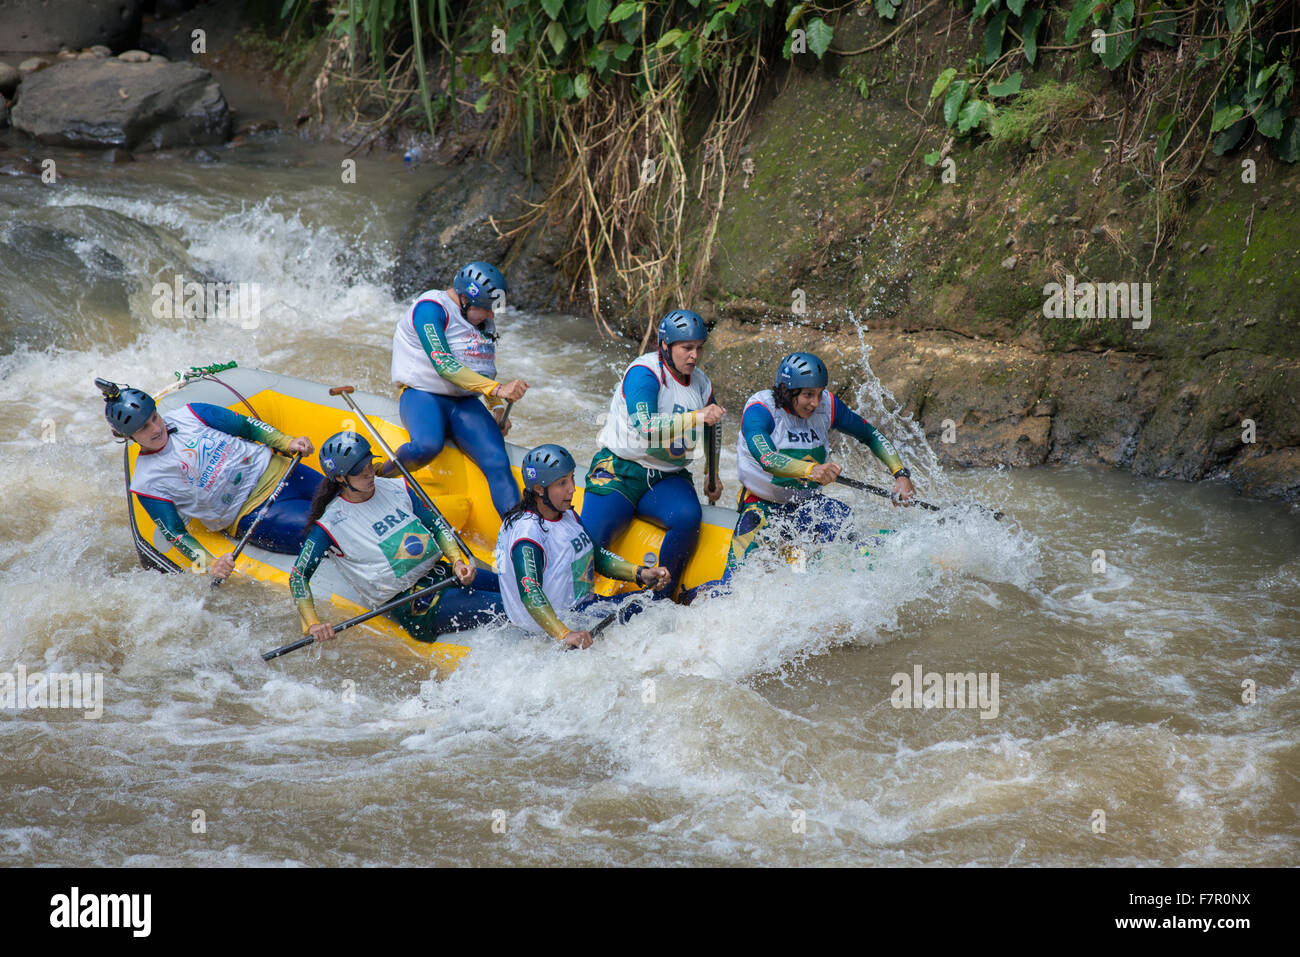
[(406, 548)]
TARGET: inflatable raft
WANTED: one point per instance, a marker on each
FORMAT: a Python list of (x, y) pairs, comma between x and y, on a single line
[(300, 407)]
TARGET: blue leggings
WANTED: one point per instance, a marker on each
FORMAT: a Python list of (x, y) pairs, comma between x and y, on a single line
[(671, 504), (285, 527), (473, 429), (457, 608)]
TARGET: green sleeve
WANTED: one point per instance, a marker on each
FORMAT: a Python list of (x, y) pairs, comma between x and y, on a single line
[(441, 529), (612, 566), (309, 558)]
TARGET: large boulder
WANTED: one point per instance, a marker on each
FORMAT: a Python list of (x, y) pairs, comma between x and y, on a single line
[(134, 106), (39, 26)]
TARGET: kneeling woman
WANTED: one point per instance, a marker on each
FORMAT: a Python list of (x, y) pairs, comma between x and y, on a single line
[(783, 459), (379, 532), (547, 560), (206, 462)]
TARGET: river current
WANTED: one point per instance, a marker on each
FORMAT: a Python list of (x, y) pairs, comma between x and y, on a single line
[(1136, 642)]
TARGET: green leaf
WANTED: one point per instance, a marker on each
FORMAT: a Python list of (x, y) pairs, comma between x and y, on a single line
[(580, 89), (972, 114), (515, 35), (1008, 87), (952, 102), (931, 158), (1166, 126), (1162, 27), (1029, 31), (1230, 137), (1082, 9), (887, 9), (624, 10), (1016, 6), (597, 12), (1235, 12), (941, 83), (552, 7), (557, 37), (623, 51), (982, 7), (1288, 145), (794, 16), (993, 37), (480, 105), (1225, 116), (1270, 121), (672, 36), (1262, 77), (819, 36)]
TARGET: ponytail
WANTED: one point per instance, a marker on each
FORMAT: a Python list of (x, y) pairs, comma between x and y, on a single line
[(326, 492)]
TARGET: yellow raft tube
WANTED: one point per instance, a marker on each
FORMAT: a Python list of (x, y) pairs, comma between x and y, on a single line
[(301, 407)]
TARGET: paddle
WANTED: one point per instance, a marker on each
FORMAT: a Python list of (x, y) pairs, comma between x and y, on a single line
[(346, 391), (195, 372), (389, 606), (714, 450), (505, 416), (262, 514), (886, 493)]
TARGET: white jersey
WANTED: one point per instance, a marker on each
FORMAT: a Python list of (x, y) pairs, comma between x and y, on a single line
[(798, 438), (472, 346), (382, 546), (663, 451), (570, 564), (206, 473)]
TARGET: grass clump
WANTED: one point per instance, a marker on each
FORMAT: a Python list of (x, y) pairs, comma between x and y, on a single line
[(1033, 113)]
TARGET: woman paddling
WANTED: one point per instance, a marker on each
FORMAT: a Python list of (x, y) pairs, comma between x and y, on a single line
[(379, 533), (783, 463), (206, 462), (444, 358), (546, 559), (653, 427)]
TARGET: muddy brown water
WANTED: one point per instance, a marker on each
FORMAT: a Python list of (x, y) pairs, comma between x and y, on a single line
[(1145, 706)]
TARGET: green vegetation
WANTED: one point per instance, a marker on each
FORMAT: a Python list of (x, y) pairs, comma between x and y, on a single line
[(1033, 113)]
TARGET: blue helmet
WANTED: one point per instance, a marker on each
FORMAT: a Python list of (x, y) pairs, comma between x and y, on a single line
[(546, 464), (478, 282), (802, 370), (344, 454), (125, 408), (681, 325)]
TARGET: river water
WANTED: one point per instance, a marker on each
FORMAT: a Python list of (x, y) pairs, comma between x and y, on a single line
[(1145, 706)]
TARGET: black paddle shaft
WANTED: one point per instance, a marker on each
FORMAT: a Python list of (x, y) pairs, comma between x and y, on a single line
[(297, 457), (343, 626), (886, 493)]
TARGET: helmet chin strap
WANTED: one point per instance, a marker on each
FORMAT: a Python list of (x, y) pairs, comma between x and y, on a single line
[(666, 354)]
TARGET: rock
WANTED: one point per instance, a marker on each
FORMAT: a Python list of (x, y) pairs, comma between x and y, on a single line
[(1053, 219), (87, 55), (452, 226), (118, 156), (81, 104), (1097, 230), (33, 65), (134, 56), (65, 55), (201, 155), (1204, 248), (1009, 262), (101, 51), (34, 26), (158, 58), (9, 79)]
